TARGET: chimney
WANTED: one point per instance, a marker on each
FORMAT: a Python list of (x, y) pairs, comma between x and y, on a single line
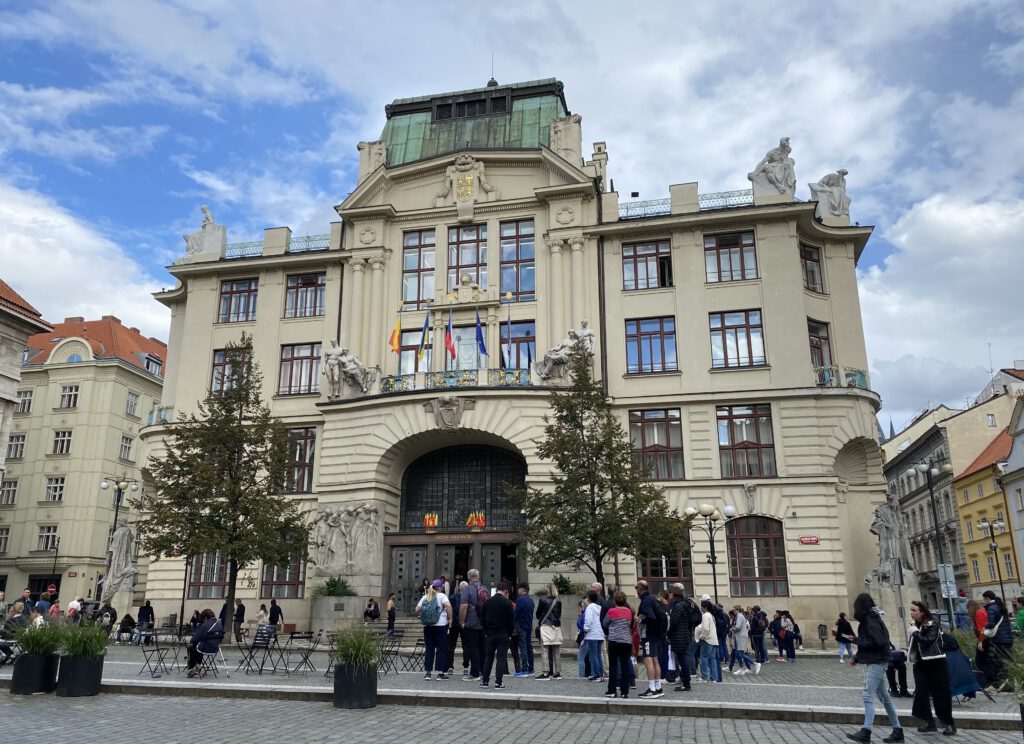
[(134, 330), (75, 319), (1018, 363), (112, 319)]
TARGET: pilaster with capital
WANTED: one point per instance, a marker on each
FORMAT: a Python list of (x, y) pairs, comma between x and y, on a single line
[(577, 276), (556, 294), (377, 311), (355, 326)]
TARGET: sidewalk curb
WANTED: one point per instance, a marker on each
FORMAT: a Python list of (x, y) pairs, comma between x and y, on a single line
[(676, 708)]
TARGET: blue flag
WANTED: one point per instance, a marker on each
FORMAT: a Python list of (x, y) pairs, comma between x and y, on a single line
[(480, 336)]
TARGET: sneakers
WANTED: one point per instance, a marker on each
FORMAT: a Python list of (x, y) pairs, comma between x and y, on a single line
[(484, 684), (192, 672), (757, 668), (442, 675), (611, 695), (680, 688), (556, 676), (649, 694), (950, 730), (499, 686), (545, 675), (465, 675), (739, 672), (427, 676), (523, 674)]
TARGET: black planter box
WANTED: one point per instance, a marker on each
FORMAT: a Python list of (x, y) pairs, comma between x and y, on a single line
[(79, 676), (34, 673), (355, 687)]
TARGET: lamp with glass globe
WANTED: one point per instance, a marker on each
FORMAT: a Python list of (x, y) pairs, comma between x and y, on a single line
[(931, 469), (713, 521)]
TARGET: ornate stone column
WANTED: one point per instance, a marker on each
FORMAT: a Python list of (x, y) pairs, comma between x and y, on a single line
[(377, 310), (355, 324), (577, 276), (558, 325)]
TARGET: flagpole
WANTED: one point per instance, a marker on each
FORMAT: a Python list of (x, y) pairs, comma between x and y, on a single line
[(508, 325)]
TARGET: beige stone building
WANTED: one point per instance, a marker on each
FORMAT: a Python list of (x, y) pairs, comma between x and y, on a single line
[(87, 388), (726, 328)]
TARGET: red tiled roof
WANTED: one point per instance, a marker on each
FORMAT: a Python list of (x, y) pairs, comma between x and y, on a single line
[(107, 338), (1018, 373), (18, 304), (997, 451)]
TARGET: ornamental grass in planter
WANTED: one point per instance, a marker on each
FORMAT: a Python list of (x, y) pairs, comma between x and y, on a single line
[(35, 670), (356, 653), (81, 663)]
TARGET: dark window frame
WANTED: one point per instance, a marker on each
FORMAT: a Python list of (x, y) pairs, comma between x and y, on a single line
[(810, 265), (291, 579), (820, 341), (660, 259), (208, 578), (422, 271), (765, 538), (663, 576), (220, 371), (734, 251), (657, 459), (523, 346), (737, 457), (302, 362), (238, 298), (301, 456), (518, 240), (305, 295), (727, 331), (477, 271), (638, 339)]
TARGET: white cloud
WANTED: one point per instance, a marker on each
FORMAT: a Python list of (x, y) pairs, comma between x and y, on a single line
[(65, 267)]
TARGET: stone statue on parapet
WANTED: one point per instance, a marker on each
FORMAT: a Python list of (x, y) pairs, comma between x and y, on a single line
[(342, 366), (775, 174), (194, 240), (587, 337), (553, 363), (830, 193)]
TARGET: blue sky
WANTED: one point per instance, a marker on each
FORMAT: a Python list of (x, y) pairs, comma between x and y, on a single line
[(119, 119)]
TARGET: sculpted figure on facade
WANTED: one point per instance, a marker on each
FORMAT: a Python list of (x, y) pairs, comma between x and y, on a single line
[(121, 576), (553, 363), (750, 494), (587, 337), (830, 193), (466, 178), (448, 410), (342, 366), (347, 539), (775, 174), (566, 138), (194, 240), (372, 155)]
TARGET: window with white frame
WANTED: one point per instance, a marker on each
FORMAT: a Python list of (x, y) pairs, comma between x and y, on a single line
[(1008, 565), (991, 568), (5, 536), (966, 496), (69, 396), (131, 406), (8, 492), (24, 401), (62, 442), (47, 537), (970, 530), (55, 488), (990, 419), (1020, 498), (16, 446), (981, 490), (975, 571), (154, 365), (125, 452)]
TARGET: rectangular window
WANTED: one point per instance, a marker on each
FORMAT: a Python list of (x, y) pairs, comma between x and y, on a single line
[(970, 530), (5, 537), (991, 568), (646, 265), (47, 537), (238, 300), (737, 339), (990, 419), (821, 347), (965, 496), (810, 261), (69, 396), (8, 492), (301, 448), (981, 490), (16, 447), (125, 451), (300, 369), (975, 571), (746, 443), (209, 577), (661, 571), (223, 377), (730, 258), (154, 366), (54, 488), (517, 261), (1020, 499), (1000, 518), (518, 345), (304, 295), (657, 438), (131, 406), (284, 582), (651, 345), (1008, 565), (419, 261), (62, 442), (467, 352), (467, 255), (24, 401), (409, 349)]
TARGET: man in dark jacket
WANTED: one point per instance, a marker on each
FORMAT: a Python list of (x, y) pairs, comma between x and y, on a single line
[(758, 626), (236, 621), (499, 623), (524, 625), (455, 630), (652, 636), (683, 618), (997, 647)]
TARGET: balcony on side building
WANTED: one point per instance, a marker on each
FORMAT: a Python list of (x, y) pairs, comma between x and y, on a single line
[(840, 377), (296, 244)]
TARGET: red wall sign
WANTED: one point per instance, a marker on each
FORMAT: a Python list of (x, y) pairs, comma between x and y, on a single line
[(72, 574), (809, 540)]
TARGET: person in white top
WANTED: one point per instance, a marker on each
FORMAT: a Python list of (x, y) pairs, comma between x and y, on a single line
[(435, 612), (594, 636), (707, 636)]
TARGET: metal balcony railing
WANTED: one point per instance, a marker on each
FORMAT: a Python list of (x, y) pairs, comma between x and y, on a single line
[(306, 243), (250, 249), (832, 376)]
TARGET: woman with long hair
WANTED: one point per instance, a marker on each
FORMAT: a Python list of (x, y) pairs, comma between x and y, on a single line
[(931, 676), (787, 636), (873, 653), (996, 640), (435, 613), (549, 627)]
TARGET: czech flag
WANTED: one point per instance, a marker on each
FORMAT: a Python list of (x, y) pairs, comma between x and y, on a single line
[(422, 352), (395, 342), (449, 337)]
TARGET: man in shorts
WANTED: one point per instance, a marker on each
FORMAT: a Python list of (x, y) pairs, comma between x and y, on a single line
[(652, 638)]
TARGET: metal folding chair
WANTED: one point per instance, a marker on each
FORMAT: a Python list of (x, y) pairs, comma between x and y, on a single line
[(155, 657), (414, 663), (303, 645), (210, 658), (389, 651), (264, 645)]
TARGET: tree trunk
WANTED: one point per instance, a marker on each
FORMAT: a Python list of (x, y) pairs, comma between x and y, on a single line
[(230, 598)]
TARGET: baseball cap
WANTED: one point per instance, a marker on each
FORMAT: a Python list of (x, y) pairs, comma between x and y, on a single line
[(438, 584), (705, 597)]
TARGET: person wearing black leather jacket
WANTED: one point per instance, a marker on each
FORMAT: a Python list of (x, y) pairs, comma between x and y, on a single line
[(873, 654), (931, 676), (683, 618)]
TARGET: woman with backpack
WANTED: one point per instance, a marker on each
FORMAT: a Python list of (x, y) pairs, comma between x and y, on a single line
[(787, 636), (435, 613), (931, 676)]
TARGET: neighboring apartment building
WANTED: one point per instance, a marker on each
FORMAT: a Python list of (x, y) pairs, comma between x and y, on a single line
[(1013, 479), (726, 328), (980, 498), (86, 390), (954, 441), (1007, 381)]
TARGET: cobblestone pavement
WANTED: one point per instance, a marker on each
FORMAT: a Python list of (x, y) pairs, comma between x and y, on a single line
[(119, 718)]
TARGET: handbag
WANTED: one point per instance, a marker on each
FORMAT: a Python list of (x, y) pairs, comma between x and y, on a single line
[(991, 632), (536, 631)]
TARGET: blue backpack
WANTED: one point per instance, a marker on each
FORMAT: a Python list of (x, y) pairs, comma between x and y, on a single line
[(430, 612)]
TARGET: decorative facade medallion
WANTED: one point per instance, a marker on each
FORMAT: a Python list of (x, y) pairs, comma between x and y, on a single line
[(367, 235), (565, 216)]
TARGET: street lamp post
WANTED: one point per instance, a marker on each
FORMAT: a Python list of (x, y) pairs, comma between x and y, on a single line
[(121, 484), (931, 469), (711, 527), (990, 528), (56, 552)]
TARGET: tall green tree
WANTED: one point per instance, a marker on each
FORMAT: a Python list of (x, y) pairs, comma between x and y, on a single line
[(603, 503), (221, 483)]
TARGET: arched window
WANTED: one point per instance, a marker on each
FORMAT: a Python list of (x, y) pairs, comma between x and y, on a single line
[(757, 557), (74, 358), (662, 571)]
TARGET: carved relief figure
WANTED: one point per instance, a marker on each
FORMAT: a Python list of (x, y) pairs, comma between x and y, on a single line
[(587, 337), (463, 177), (341, 365), (372, 155), (554, 360), (194, 240), (448, 410), (830, 193), (566, 137), (892, 543), (121, 576), (346, 539), (775, 174)]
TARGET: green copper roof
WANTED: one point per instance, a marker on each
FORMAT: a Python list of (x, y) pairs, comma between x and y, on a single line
[(518, 117)]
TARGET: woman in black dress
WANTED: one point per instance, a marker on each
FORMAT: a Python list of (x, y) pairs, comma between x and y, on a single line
[(931, 676)]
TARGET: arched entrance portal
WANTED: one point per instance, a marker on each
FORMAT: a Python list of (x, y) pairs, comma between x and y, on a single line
[(455, 515)]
